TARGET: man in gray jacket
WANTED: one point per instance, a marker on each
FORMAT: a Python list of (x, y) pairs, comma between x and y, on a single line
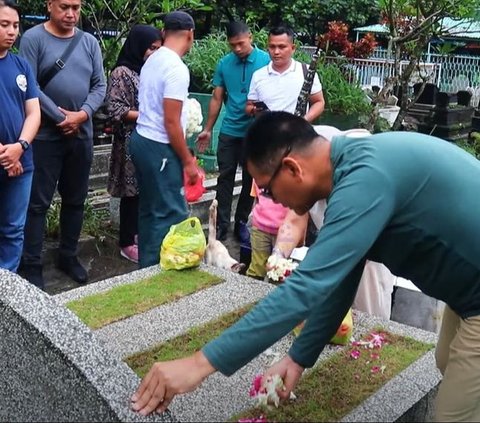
[(63, 150)]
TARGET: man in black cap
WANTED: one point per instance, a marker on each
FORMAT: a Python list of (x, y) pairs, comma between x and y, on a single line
[(159, 150)]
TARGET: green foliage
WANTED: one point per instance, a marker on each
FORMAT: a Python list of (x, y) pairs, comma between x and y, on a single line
[(205, 55), (380, 125), (307, 17), (203, 58), (52, 223), (471, 145), (32, 7), (340, 95), (120, 15), (95, 221)]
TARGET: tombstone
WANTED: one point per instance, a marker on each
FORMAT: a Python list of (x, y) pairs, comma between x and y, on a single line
[(429, 93), (443, 100), (463, 98), (53, 368)]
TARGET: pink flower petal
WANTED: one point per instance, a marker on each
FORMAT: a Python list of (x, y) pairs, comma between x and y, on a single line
[(355, 354), (260, 419), (375, 369)]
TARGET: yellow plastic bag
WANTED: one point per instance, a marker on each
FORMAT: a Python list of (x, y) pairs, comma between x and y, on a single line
[(184, 245), (344, 332)]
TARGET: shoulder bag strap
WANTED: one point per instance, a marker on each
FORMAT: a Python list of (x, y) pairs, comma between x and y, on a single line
[(60, 63)]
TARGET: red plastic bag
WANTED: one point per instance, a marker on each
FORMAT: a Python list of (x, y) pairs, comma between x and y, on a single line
[(195, 191)]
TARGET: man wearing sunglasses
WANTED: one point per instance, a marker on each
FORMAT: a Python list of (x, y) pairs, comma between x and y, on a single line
[(407, 200)]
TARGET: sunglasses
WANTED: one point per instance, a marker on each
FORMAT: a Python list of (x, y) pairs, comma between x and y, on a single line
[(267, 191)]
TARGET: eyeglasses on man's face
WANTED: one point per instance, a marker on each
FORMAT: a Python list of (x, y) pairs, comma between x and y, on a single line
[(267, 191)]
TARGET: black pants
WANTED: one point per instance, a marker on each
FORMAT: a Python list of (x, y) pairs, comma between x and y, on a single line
[(128, 220), (229, 155), (65, 162)]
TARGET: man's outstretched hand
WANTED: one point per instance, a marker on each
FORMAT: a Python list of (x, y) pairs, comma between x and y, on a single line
[(289, 371), (170, 378)]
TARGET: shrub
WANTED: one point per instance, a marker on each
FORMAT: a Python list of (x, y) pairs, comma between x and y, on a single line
[(340, 95)]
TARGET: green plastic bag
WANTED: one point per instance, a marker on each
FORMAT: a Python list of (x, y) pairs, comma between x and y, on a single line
[(184, 245)]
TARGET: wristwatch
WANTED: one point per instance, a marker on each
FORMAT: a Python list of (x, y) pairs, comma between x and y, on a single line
[(25, 144)]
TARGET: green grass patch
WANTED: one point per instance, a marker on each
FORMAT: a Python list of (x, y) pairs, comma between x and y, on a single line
[(128, 300), (185, 344), (340, 383)]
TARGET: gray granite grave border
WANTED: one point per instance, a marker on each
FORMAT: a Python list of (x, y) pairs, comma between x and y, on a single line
[(114, 380), (219, 397)]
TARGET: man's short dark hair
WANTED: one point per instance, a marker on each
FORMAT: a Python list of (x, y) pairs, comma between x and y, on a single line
[(11, 4), (237, 28), (282, 29), (271, 133)]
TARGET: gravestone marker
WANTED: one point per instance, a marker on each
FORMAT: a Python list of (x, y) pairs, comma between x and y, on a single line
[(463, 98), (429, 93), (53, 368)]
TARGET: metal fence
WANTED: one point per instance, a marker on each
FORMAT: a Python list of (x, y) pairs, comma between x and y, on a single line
[(451, 73)]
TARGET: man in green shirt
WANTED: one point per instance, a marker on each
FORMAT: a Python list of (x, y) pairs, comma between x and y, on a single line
[(231, 81), (407, 200)]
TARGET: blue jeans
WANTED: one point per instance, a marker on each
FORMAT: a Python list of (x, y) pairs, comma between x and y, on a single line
[(162, 204), (14, 196)]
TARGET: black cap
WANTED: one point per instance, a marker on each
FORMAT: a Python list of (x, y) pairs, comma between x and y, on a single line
[(178, 21)]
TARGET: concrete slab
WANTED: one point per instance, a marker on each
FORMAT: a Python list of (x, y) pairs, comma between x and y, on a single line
[(219, 397), (53, 367)]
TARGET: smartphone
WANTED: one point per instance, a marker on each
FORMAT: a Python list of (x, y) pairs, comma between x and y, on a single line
[(260, 106)]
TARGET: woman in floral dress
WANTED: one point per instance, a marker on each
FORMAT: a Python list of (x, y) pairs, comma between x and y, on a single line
[(122, 106)]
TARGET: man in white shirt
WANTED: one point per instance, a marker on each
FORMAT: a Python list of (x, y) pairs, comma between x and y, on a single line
[(278, 84), (158, 147)]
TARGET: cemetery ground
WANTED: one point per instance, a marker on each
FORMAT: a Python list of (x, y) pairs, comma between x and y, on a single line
[(326, 394), (175, 329)]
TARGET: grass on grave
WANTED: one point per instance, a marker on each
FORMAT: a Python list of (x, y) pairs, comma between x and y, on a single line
[(185, 344), (128, 300), (337, 385), (328, 392)]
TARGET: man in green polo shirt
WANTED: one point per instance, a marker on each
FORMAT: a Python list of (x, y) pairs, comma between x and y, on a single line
[(407, 200), (232, 80)]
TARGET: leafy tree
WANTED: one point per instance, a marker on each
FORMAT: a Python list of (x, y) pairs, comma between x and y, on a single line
[(110, 20), (32, 7), (306, 17)]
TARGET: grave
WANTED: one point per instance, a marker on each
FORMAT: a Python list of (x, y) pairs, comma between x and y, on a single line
[(54, 369), (407, 397), (447, 120)]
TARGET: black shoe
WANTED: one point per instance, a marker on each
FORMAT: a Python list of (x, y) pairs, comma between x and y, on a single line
[(222, 233), (33, 273), (72, 267), (240, 230)]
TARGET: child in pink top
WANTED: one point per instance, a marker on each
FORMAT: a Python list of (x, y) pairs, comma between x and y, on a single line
[(267, 217)]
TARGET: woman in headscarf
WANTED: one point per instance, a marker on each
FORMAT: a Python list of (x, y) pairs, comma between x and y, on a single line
[(122, 106)]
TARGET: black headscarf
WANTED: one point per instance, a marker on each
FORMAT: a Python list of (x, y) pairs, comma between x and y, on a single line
[(139, 39)]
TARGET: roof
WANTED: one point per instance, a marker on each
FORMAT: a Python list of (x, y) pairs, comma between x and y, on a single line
[(457, 28)]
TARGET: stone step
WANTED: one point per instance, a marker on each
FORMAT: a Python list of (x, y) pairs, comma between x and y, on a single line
[(219, 398)]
